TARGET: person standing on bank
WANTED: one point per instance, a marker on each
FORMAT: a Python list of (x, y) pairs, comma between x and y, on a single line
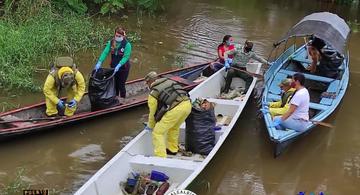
[(241, 56), (169, 106), (120, 49)]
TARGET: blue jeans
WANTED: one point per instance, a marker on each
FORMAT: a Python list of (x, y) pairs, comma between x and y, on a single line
[(294, 124)]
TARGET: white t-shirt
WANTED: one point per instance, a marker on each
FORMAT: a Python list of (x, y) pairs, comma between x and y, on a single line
[(301, 99)]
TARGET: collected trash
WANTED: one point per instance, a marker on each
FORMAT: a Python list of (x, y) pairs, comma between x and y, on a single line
[(232, 94), (155, 182), (200, 134)]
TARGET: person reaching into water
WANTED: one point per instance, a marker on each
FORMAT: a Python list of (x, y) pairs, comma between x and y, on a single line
[(120, 49)]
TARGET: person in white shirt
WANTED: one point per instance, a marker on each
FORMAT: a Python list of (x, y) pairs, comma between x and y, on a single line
[(297, 117)]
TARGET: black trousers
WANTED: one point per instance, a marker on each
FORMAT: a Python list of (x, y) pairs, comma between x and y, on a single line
[(120, 80)]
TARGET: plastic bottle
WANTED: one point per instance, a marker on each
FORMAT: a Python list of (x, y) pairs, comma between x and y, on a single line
[(158, 176), (163, 188)]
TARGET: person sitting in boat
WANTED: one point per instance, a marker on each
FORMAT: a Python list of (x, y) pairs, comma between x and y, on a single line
[(297, 116), (169, 106), (120, 49), (282, 106), (325, 60), (242, 55), (226, 45), (63, 76)]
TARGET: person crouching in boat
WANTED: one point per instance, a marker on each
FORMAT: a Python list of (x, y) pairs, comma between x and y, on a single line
[(120, 49), (242, 55), (169, 106), (297, 116), (226, 45), (63, 75), (282, 106)]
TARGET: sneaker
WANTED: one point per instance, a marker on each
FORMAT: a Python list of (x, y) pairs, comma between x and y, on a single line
[(170, 153), (151, 189)]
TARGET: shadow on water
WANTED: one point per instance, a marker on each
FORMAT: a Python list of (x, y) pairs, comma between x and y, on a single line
[(188, 32)]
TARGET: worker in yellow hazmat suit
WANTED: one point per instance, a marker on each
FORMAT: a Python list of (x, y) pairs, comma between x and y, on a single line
[(169, 106), (63, 76), (280, 107)]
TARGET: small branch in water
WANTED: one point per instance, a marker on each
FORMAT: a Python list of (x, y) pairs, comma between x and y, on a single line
[(41, 70)]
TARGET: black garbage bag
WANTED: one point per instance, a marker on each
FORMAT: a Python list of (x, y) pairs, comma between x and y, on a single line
[(102, 89), (200, 134)]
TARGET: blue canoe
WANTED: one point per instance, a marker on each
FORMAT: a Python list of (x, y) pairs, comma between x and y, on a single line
[(294, 58)]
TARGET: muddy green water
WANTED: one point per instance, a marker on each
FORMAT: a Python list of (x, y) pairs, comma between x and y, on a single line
[(326, 160)]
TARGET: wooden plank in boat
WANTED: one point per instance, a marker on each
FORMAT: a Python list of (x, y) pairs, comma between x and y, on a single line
[(179, 79), (16, 124)]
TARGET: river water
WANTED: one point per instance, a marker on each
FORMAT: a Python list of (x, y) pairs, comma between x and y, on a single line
[(326, 160)]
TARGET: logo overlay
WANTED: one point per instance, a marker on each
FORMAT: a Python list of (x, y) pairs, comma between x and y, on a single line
[(182, 192)]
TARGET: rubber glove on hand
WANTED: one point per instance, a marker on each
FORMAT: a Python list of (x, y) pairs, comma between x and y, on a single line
[(147, 128), (230, 60), (72, 103), (98, 65), (60, 104), (277, 121), (117, 68), (227, 65)]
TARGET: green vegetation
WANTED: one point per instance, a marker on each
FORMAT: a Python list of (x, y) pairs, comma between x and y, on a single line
[(17, 185), (33, 31)]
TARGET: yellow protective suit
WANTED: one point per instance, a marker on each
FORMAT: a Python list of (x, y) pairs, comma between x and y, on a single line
[(51, 92), (275, 108), (168, 126)]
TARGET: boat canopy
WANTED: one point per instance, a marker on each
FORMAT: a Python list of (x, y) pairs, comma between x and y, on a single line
[(324, 25)]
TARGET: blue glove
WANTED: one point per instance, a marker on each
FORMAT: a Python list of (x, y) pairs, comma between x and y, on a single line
[(60, 104), (230, 60), (147, 128), (72, 103), (98, 65), (117, 68), (277, 121), (227, 65)]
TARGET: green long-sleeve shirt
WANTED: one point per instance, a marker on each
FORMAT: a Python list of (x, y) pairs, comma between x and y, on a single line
[(241, 58), (107, 49)]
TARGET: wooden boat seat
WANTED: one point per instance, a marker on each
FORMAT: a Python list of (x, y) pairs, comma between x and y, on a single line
[(179, 79), (315, 106), (333, 87), (165, 162), (14, 118), (309, 76), (302, 57)]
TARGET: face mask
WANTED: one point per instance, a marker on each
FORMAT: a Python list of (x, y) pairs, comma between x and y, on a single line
[(228, 43), (293, 84), (247, 49), (119, 39)]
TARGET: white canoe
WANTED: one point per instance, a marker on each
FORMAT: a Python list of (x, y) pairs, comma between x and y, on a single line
[(137, 155)]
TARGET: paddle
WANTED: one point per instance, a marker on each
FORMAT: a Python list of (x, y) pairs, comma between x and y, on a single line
[(249, 73), (322, 124), (32, 120)]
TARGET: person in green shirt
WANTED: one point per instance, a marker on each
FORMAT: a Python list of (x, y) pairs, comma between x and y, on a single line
[(120, 49), (241, 56)]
